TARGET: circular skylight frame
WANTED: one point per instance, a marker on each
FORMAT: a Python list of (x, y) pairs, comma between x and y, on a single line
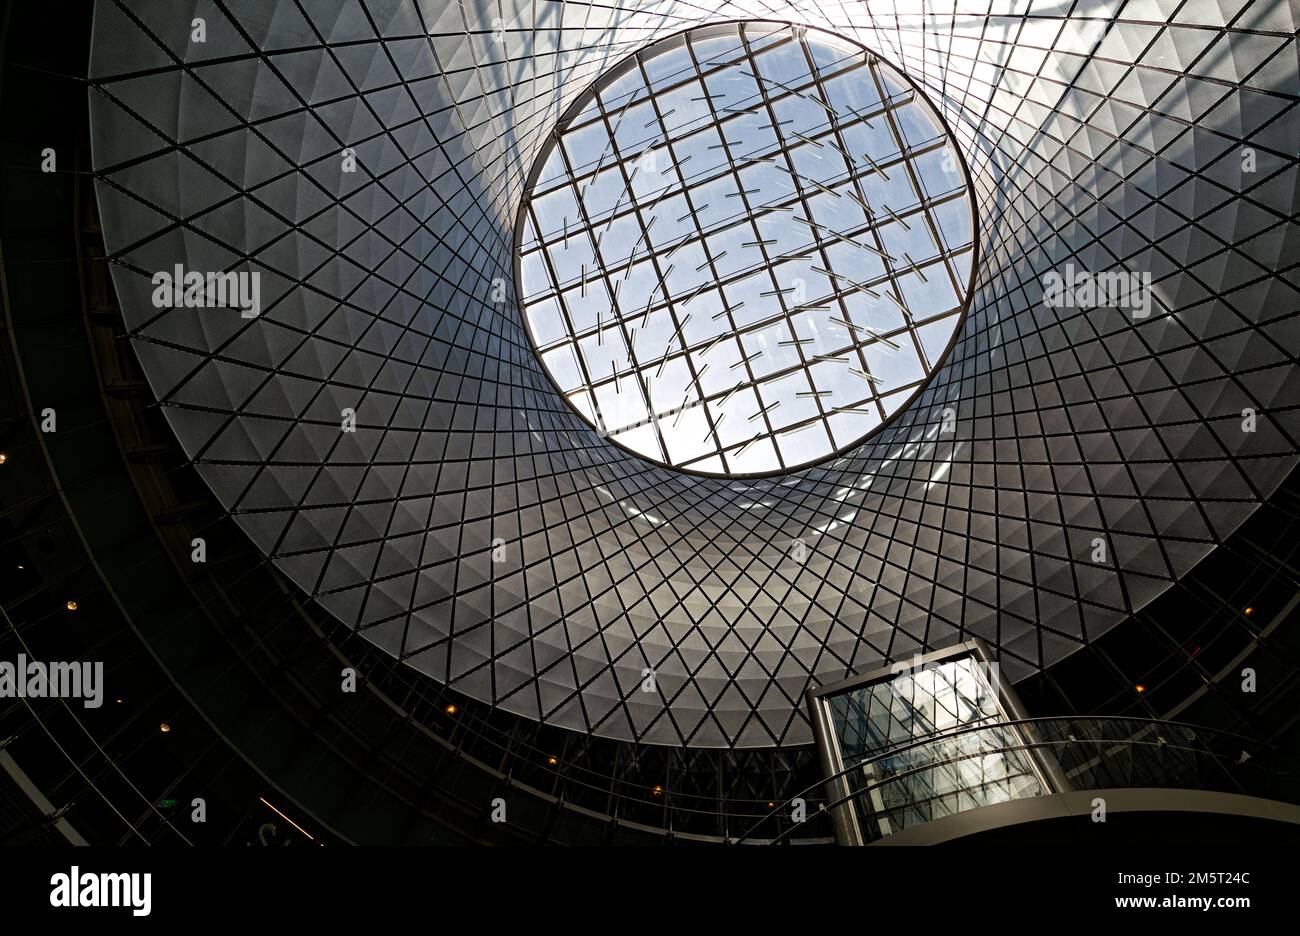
[(771, 33)]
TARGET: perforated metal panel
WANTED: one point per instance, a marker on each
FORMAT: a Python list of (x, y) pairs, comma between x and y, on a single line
[(1135, 137)]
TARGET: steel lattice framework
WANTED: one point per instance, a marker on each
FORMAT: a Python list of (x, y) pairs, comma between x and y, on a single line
[(1155, 137), (762, 237)]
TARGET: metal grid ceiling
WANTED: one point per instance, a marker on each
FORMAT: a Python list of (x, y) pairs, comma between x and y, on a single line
[(729, 287), (1107, 135)]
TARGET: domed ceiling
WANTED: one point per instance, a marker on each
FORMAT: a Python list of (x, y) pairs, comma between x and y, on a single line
[(384, 432)]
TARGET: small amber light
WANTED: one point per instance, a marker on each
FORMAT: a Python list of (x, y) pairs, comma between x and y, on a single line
[(3, 458), (657, 790), (164, 727), (71, 606), (1249, 611), (451, 710), (1140, 688), (771, 805), (552, 761)]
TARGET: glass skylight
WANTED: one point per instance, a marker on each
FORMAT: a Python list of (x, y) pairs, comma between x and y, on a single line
[(746, 248)]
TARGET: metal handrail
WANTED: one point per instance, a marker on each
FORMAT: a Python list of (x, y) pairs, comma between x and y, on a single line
[(984, 726), (921, 768)]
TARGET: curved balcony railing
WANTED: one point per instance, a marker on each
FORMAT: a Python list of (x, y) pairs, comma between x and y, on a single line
[(952, 771)]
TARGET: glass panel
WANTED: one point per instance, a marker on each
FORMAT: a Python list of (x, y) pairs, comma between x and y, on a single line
[(927, 743), (739, 237)]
